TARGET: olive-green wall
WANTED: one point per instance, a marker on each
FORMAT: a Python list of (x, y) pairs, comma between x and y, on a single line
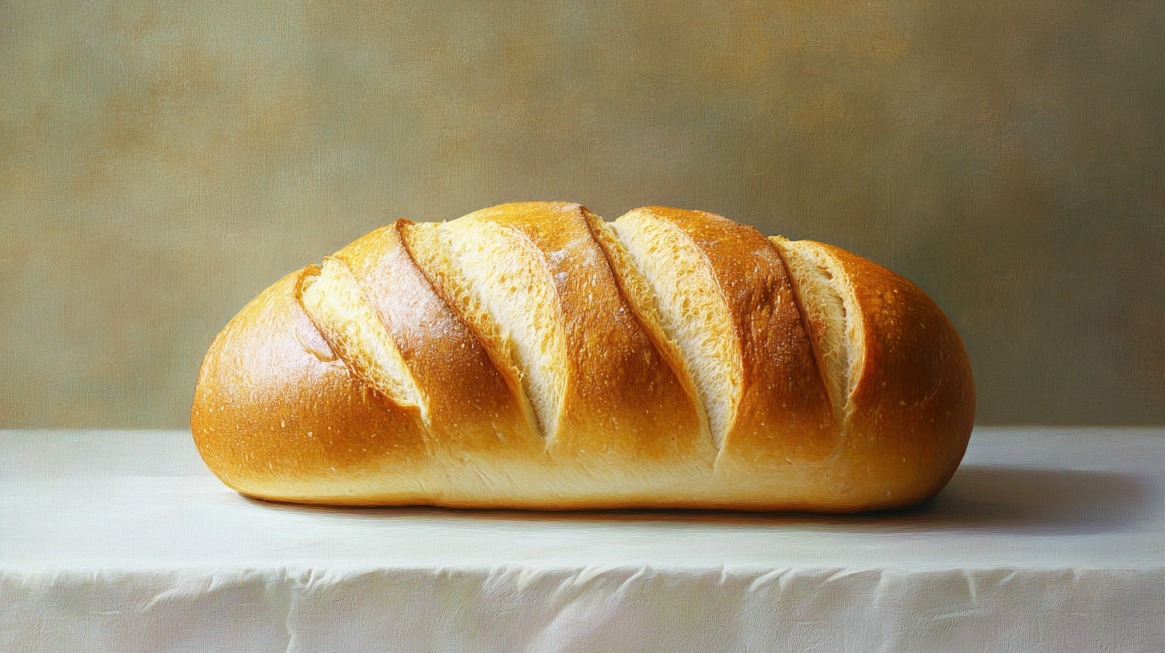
[(160, 163)]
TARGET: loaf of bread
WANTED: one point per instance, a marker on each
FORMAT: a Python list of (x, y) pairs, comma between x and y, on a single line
[(531, 355)]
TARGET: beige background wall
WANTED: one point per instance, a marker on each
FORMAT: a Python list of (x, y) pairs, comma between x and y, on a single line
[(161, 163)]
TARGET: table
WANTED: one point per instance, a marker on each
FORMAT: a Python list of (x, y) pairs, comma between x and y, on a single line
[(1046, 539)]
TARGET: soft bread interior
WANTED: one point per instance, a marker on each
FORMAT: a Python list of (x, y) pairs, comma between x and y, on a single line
[(500, 284), (683, 305), (333, 301), (831, 310)]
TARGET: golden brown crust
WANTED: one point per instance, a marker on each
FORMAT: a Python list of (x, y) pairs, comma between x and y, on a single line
[(278, 414), (275, 408), (914, 402), (609, 349), (784, 414), (473, 410)]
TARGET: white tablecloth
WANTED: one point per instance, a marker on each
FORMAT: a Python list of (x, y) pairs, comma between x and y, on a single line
[(1046, 539)]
